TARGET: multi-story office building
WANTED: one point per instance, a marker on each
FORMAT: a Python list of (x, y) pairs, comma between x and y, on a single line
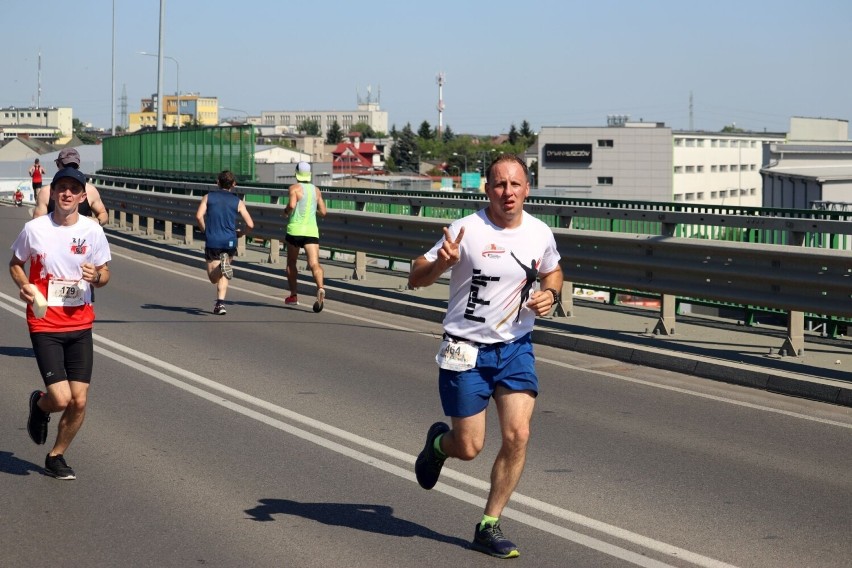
[(366, 113), (650, 162), (51, 124), (719, 168), (632, 162), (194, 109)]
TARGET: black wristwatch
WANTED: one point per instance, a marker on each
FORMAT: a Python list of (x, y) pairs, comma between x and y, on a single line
[(556, 295)]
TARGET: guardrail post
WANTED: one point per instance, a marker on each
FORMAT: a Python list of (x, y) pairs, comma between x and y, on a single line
[(110, 217), (666, 323), (241, 246), (794, 346), (274, 251), (122, 219), (167, 231), (187, 234), (135, 223), (149, 226), (360, 272), (797, 238), (565, 306)]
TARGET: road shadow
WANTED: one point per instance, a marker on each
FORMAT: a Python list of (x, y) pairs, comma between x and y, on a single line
[(365, 517), (12, 465), (194, 311), (181, 309), (16, 351)]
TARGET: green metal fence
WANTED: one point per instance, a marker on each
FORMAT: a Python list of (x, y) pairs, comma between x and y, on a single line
[(188, 153)]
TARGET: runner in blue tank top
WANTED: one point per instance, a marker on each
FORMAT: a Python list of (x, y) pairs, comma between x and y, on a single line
[(217, 219)]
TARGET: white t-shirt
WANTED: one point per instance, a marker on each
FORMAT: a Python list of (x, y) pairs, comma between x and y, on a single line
[(495, 277), (56, 254)]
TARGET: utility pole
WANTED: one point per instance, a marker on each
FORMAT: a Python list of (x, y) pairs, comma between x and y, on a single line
[(113, 68), (160, 68)]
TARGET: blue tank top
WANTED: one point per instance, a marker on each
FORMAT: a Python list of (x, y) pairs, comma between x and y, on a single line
[(220, 222)]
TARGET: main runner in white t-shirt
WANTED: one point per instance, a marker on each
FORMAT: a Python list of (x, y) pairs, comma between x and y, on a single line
[(498, 256), (68, 256)]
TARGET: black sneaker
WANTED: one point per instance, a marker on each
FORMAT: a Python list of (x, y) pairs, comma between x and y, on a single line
[(38, 419), (55, 466), (225, 266), (219, 308), (428, 465), (490, 540), (318, 305)]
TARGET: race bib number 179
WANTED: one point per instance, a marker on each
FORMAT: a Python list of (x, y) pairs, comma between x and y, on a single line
[(67, 293)]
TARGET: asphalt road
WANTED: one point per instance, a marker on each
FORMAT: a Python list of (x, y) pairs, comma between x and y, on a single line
[(274, 436)]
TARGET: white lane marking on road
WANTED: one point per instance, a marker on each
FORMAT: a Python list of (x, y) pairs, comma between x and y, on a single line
[(540, 524), (120, 353)]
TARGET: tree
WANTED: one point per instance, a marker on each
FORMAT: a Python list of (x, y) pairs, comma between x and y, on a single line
[(447, 135), (731, 128), (425, 131), (334, 134), (310, 127), (365, 129), (526, 132), (404, 154), (81, 133), (513, 135)]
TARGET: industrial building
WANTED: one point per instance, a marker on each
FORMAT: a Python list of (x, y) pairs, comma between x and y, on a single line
[(648, 161)]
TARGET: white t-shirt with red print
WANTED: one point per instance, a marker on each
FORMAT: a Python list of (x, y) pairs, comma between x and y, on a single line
[(56, 254), (495, 277)]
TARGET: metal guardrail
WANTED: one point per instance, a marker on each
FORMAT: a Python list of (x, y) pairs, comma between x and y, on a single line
[(789, 278), (797, 227)]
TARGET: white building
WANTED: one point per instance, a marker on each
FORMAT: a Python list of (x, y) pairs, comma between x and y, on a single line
[(718, 168), (50, 124), (367, 113), (644, 161)]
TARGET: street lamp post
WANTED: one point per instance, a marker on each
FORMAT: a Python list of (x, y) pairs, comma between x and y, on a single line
[(456, 154), (177, 83)]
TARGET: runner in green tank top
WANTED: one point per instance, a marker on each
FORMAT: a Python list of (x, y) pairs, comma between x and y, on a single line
[(302, 232)]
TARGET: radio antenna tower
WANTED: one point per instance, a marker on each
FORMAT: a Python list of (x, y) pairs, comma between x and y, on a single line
[(691, 126), (38, 99), (440, 80)]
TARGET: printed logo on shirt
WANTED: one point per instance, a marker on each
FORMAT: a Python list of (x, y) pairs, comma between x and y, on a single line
[(78, 246), (510, 306), (493, 251)]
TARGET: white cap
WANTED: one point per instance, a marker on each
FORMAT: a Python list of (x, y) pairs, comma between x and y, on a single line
[(303, 171)]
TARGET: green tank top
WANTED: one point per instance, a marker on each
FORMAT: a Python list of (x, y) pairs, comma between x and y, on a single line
[(303, 219)]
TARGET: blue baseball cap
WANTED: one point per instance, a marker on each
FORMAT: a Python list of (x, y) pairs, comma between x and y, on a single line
[(72, 173)]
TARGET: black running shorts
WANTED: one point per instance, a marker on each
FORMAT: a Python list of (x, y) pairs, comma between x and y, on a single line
[(66, 356)]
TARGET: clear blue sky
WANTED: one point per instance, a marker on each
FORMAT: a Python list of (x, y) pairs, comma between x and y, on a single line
[(755, 63)]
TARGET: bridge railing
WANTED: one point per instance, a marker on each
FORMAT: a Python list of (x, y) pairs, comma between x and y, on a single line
[(793, 279)]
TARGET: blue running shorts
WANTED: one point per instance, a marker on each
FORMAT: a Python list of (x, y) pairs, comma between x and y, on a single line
[(510, 365)]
